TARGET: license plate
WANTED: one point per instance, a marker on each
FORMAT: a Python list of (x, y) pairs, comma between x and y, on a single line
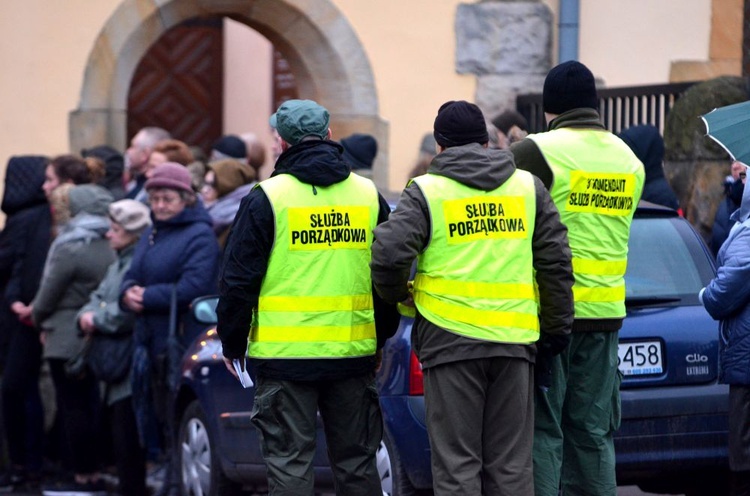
[(636, 358)]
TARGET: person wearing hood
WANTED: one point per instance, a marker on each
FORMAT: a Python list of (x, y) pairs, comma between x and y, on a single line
[(295, 271), (114, 168), (24, 242), (360, 151), (77, 261), (727, 299), (477, 226), (733, 190), (175, 261), (648, 145), (226, 183)]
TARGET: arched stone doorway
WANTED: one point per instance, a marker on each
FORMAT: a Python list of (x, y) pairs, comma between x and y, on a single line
[(325, 55)]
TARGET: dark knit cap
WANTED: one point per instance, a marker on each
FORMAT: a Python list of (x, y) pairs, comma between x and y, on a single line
[(460, 123), (231, 146), (359, 150), (508, 119), (568, 86), (170, 175)]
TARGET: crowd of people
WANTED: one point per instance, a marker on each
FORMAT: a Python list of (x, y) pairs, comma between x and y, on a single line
[(100, 257), (99, 252), (102, 254)]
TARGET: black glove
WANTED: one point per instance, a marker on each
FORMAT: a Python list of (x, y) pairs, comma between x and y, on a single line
[(553, 344), (548, 347), (543, 371)]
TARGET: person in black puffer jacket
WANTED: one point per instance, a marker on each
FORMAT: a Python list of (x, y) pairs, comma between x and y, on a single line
[(23, 248), (325, 354)]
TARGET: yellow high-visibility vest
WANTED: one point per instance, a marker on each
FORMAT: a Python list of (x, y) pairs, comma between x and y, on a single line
[(597, 184), (476, 276), (316, 297)]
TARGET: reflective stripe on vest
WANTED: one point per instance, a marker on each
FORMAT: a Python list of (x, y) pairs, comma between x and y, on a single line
[(476, 276), (316, 297), (596, 187)]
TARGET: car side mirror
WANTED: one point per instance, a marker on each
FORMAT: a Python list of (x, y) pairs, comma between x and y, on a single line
[(204, 309)]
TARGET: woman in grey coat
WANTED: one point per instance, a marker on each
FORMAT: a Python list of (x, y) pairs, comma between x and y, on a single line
[(75, 265), (102, 314)]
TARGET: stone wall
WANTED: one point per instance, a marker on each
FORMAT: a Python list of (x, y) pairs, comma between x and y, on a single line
[(694, 164), (506, 44)]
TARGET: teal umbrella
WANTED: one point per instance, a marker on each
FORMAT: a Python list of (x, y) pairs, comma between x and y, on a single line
[(730, 127)]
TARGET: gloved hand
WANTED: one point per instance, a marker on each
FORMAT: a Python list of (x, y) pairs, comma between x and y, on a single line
[(543, 371), (553, 344), (548, 347)]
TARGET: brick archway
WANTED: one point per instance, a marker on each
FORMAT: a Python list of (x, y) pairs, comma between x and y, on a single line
[(325, 55)]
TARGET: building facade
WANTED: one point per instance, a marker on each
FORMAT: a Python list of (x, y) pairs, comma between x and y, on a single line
[(381, 67)]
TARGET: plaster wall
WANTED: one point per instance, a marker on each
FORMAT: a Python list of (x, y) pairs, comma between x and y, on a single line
[(248, 57), (44, 49), (410, 47), (633, 42)]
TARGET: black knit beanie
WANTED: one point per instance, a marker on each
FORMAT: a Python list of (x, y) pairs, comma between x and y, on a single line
[(568, 86), (359, 150), (460, 123), (505, 121)]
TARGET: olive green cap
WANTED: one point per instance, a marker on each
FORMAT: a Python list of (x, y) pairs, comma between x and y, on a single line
[(296, 119)]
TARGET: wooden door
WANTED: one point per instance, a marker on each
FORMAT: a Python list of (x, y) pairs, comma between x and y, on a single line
[(178, 84)]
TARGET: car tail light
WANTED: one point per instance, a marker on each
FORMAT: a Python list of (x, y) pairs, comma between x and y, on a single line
[(416, 378)]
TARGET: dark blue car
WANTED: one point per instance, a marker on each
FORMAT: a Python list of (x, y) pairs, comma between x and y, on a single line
[(673, 436)]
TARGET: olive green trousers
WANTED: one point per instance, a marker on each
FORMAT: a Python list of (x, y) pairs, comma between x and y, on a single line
[(285, 413), (576, 418)]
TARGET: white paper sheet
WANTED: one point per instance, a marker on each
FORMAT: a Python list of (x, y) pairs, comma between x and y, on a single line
[(243, 375)]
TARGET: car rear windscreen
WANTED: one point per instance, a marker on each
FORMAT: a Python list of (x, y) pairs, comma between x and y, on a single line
[(665, 260)]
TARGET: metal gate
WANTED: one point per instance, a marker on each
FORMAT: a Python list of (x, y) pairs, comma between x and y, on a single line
[(620, 108)]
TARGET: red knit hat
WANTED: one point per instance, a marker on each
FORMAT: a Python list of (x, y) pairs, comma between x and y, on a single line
[(170, 175)]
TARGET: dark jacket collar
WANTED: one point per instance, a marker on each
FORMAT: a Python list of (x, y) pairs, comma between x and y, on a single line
[(316, 162), (578, 118), (473, 165)]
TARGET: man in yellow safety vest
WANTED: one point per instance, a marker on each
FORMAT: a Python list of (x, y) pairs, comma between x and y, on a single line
[(296, 296), (493, 273), (596, 182)]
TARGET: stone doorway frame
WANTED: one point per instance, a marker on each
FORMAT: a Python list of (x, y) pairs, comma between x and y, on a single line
[(326, 56)]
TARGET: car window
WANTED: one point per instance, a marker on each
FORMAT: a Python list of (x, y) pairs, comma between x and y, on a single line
[(665, 260)]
